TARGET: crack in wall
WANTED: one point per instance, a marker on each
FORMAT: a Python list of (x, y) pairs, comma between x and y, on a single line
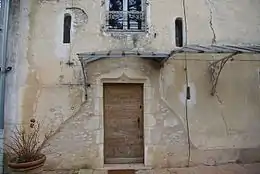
[(222, 115), (225, 123), (31, 94), (65, 122), (218, 98), (209, 3)]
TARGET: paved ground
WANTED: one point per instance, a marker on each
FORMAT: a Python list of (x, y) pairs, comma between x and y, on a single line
[(223, 169)]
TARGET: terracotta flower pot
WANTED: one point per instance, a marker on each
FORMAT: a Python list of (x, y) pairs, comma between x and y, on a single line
[(27, 167)]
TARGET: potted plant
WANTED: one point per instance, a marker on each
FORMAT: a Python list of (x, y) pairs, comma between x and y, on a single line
[(24, 150)]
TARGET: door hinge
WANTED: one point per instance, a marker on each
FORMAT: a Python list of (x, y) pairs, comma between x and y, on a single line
[(5, 70)]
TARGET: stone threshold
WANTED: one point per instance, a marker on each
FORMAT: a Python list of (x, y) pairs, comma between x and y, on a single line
[(125, 167), (222, 169), (116, 167)]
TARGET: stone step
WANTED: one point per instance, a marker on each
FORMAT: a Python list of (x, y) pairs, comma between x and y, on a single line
[(86, 171), (89, 171), (222, 169)]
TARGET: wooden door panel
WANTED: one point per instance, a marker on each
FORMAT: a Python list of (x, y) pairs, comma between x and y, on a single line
[(116, 152), (123, 122)]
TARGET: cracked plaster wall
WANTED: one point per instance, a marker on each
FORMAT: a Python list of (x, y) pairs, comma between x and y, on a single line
[(164, 132), (232, 21), (42, 85), (223, 128)]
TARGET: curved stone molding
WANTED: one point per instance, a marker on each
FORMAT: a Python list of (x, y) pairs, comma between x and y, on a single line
[(122, 76)]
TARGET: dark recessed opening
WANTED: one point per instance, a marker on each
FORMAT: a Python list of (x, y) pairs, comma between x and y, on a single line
[(66, 28), (178, 32), (129, 171)]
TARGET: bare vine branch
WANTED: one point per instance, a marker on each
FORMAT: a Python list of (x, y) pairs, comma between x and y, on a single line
[(215, 69)]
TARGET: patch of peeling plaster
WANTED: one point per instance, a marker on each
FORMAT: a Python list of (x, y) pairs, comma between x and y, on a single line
[(162, 98)]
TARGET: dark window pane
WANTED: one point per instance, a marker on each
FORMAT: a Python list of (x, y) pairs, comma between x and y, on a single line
[(115, 20), (116, 14), (179, 32), (116, 5), (134, 5), (66, 28), (134, 15)]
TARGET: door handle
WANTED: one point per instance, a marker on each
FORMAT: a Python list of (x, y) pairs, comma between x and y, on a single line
[(138, 122)]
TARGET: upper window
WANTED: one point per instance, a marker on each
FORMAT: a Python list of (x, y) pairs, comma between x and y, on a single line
[(179, 32), (125, 15), (66, 28)]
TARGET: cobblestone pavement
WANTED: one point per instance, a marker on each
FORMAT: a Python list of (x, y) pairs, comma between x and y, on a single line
[(223, 169)]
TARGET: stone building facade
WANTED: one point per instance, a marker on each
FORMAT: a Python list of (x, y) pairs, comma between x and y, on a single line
[(50, 83)]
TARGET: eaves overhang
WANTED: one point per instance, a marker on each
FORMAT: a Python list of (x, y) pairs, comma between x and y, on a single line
[(161, 57), (94, 56)]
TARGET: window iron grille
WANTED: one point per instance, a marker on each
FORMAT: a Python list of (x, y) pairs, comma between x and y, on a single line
[(126, 21)]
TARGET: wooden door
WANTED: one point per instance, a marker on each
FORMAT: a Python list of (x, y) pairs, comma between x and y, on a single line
[(123, 123)]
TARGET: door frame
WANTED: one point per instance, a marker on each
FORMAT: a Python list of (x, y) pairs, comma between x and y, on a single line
[(124, 75), (126, 160)]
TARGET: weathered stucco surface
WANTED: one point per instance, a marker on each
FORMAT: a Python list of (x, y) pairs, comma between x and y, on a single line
[(44, 86), (223, 128)]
